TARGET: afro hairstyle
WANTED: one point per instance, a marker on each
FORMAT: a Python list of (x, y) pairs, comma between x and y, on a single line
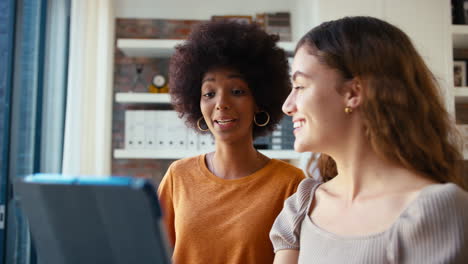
[(245, 48)]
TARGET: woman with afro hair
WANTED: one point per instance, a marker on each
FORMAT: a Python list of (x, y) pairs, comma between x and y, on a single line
[(230, 80)]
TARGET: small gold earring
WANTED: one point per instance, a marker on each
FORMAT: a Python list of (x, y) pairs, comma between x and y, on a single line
[(348, 110)]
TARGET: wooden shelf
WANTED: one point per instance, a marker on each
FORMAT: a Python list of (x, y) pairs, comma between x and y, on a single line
[(461, 94), (142, 98), (179, 154), (164, 48), (152, 48), (460, 36)]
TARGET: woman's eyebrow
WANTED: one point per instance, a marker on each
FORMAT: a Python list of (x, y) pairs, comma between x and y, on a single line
[(299, 74), (208, 79)]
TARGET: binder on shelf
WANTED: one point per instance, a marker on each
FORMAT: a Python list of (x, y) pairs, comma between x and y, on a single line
[(139, 135), (161, 130), (176, 131), (276, 138), (206, 143), (129, 130), (283, 138), (192, 140), (276, 141), (150, 130), (263, 142), (134, 129), (287, 135)]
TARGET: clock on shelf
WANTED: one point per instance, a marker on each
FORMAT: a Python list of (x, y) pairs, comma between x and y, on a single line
[(159, 84)]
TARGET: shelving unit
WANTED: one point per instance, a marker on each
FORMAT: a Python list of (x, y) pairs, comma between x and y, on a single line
[(178, 154), (461, 94), (460, 41), (163, 48), (153, 48), (143, 98), (174, 154), (460, 36)]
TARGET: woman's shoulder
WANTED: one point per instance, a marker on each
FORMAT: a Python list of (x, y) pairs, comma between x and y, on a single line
[(285, 233), (299, 201), (186, 163), (438, 204), (435, 225), (180, 169), (442, 197)]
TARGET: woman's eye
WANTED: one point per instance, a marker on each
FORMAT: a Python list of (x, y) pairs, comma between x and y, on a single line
[(238, 92), (209, 94), (298, 87)]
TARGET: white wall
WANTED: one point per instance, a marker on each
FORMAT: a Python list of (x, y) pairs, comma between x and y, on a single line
[(428, 23)]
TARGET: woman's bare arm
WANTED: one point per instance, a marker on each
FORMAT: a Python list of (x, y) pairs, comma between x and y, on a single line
[(286, 256)]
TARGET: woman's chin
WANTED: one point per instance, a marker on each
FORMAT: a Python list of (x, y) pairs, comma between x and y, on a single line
[(300, 147)]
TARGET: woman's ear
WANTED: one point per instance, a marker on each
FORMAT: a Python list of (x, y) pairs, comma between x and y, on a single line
[(353, 92)]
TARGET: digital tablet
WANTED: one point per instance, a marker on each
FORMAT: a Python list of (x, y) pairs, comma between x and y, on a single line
[(75, 220)]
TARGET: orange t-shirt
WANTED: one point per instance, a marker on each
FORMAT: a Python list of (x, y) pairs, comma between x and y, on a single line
[(212, 220)]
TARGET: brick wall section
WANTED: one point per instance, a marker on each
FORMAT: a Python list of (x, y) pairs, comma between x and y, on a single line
[(125, 72)]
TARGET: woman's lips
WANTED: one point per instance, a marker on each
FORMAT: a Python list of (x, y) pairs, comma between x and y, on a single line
[(225, 123)]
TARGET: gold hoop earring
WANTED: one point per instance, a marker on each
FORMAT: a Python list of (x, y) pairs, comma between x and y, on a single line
[(267, 119), (348, 110), (199, 127)]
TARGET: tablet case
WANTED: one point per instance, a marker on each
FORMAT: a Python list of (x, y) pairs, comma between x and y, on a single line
[(74, 220)]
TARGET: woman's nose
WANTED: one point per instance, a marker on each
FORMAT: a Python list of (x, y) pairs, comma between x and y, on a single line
[(221, 107), (222, 103), (289, 105)]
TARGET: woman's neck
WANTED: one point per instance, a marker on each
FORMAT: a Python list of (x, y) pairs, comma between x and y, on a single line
[(234, 161), (362, 173)]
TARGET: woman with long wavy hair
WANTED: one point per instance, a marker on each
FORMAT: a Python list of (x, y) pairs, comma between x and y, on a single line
[(392, 188)]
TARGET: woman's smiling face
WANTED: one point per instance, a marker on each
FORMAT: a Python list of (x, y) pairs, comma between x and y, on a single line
[(315, 104), (227, 105)]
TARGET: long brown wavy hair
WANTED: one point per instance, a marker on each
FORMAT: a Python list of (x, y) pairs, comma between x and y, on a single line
[(402, 109)]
